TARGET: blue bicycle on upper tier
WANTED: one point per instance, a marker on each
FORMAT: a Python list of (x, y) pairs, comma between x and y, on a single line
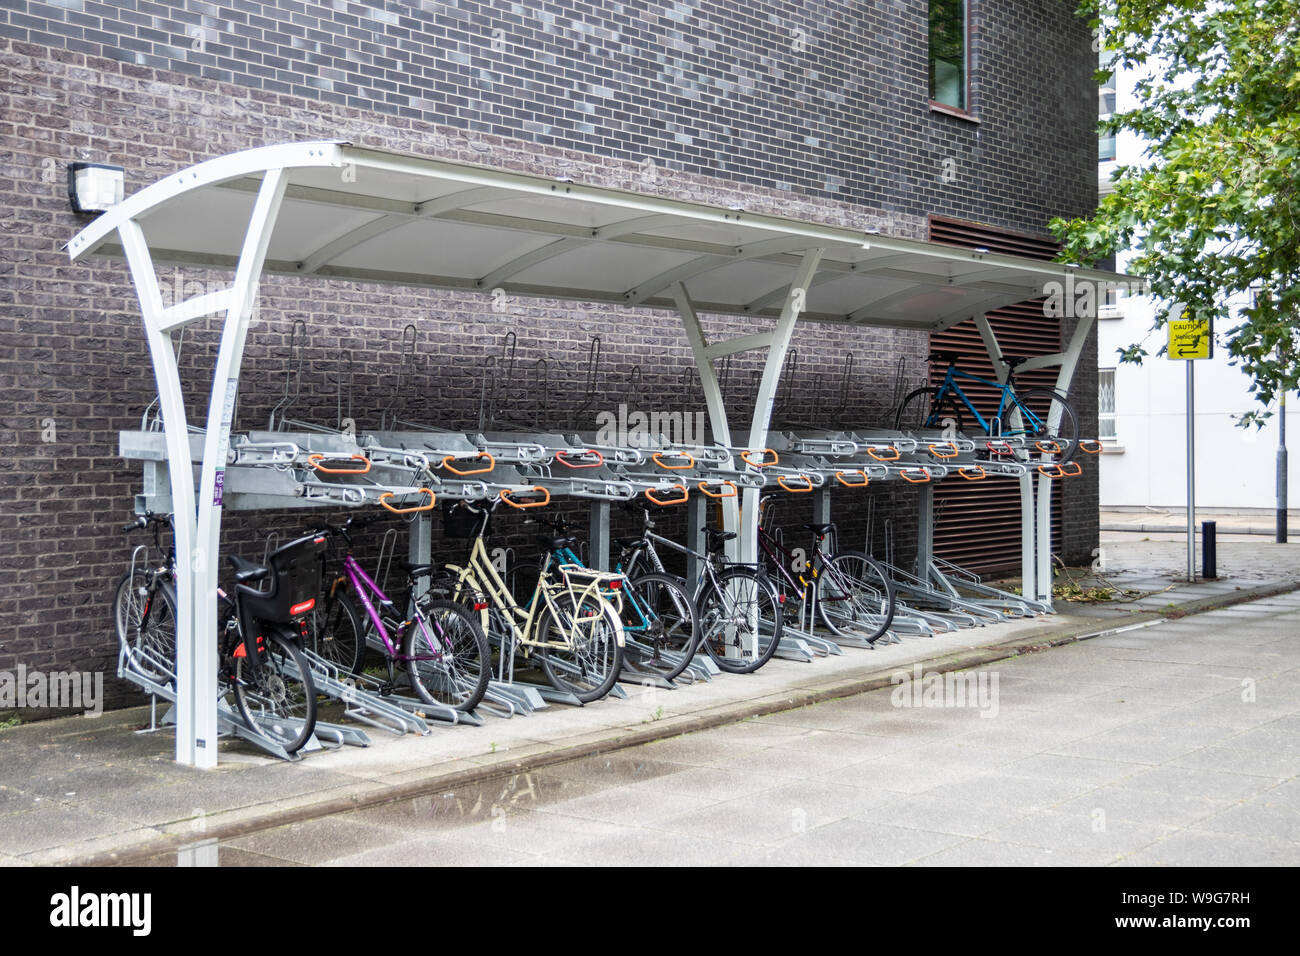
[(1020, 413)]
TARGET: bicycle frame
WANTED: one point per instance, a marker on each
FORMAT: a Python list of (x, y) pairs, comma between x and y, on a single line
[(479, 575), (1007, 398), (363, 587)]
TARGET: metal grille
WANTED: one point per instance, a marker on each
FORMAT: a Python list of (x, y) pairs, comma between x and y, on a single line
[(977, 524), (1106, 403)]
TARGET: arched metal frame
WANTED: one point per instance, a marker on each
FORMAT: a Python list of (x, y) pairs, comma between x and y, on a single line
[(337, 211)]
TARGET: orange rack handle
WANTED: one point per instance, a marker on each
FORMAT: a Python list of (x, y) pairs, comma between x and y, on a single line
[(886, 456), (448, 459), (665, 502), (1067, 473), (315, 462), (600, 459), (704, 489), (999, 447), (839, 476), (764, 452), (808, 485), (951, 453), (1048, 447), (971, 472), (690, 462), (505, 496), (383, 501), (1090, 446), (925, 475), (1051, 470)]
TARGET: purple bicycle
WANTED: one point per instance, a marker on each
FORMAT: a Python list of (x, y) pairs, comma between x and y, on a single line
[(438, 642)]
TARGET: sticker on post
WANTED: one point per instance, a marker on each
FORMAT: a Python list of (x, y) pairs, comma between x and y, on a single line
[(218, 486)]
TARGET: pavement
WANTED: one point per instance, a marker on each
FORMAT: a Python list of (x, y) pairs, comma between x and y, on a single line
[(1169, 745), (1171, 521), (92, 790)]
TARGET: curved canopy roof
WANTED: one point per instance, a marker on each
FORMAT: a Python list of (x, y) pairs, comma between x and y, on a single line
[(368, 215)]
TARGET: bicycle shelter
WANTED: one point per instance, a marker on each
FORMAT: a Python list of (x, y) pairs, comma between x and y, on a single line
[(345, 212)]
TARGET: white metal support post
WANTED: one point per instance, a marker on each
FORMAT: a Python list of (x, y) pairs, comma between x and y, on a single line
[(795, 303), (216, 442), (741, 515), (713, 402), (171, 404), (1069, 361), (1036, 510), (197, 520)]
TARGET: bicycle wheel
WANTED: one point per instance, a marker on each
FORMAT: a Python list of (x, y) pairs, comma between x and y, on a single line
[(447, 655), (740, 620), (1044, 403), (335, 632), (270, 697), (581, 654), (659, 622), (920, 410), (855, 596), (146, 624)]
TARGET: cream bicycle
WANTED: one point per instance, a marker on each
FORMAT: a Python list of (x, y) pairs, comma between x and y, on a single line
[(574, 630)]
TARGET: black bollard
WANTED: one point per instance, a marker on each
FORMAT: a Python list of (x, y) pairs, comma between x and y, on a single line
[(1209, 551)]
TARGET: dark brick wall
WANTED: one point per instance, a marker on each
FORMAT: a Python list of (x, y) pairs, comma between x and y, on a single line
[(812, 110)]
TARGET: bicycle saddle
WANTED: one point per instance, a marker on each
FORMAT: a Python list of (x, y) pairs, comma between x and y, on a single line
[(246, 571), (943, 356), (418, 570), (821, 530), (630, 543), (716, 537), (556, 544)]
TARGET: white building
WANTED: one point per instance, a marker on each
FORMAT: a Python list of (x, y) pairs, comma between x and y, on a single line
[(1143, 407)]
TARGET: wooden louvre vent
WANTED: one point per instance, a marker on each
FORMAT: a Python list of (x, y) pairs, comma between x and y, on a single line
[(977, 524)]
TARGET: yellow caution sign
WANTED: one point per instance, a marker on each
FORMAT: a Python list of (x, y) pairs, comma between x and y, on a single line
[(1190, 339)]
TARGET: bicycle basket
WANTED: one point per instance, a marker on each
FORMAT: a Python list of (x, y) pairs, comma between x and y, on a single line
[(295, 582)]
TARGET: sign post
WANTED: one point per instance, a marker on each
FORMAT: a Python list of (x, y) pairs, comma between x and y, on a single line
[(1189, 341)]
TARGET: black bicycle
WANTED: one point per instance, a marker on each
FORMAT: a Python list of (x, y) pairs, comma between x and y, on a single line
[(144, 604)]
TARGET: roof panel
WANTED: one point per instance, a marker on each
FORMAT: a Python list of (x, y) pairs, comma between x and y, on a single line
[(389, 217)]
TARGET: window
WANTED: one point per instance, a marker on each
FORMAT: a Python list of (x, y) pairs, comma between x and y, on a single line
[(948, 53), (1105, 107), (1109, 307), (1106, 404)]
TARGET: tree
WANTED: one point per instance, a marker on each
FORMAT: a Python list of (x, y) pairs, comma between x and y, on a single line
[(1213, 211)]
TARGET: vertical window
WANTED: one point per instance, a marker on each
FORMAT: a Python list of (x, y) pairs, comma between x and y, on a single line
[(1106, 404), (1105, 107), (948, 52)]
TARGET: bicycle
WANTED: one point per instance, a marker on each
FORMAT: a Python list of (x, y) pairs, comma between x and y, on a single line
[(739, 621), (656, 611), (272, 687), (441, 645), (941, 405), (574, 631), (850, 591), (262, 664), (144, 606)]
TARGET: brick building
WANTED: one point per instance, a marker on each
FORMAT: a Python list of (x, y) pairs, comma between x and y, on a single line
[(874, 114)]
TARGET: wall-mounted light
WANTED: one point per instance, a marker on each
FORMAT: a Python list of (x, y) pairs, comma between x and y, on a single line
[(94, 187)]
